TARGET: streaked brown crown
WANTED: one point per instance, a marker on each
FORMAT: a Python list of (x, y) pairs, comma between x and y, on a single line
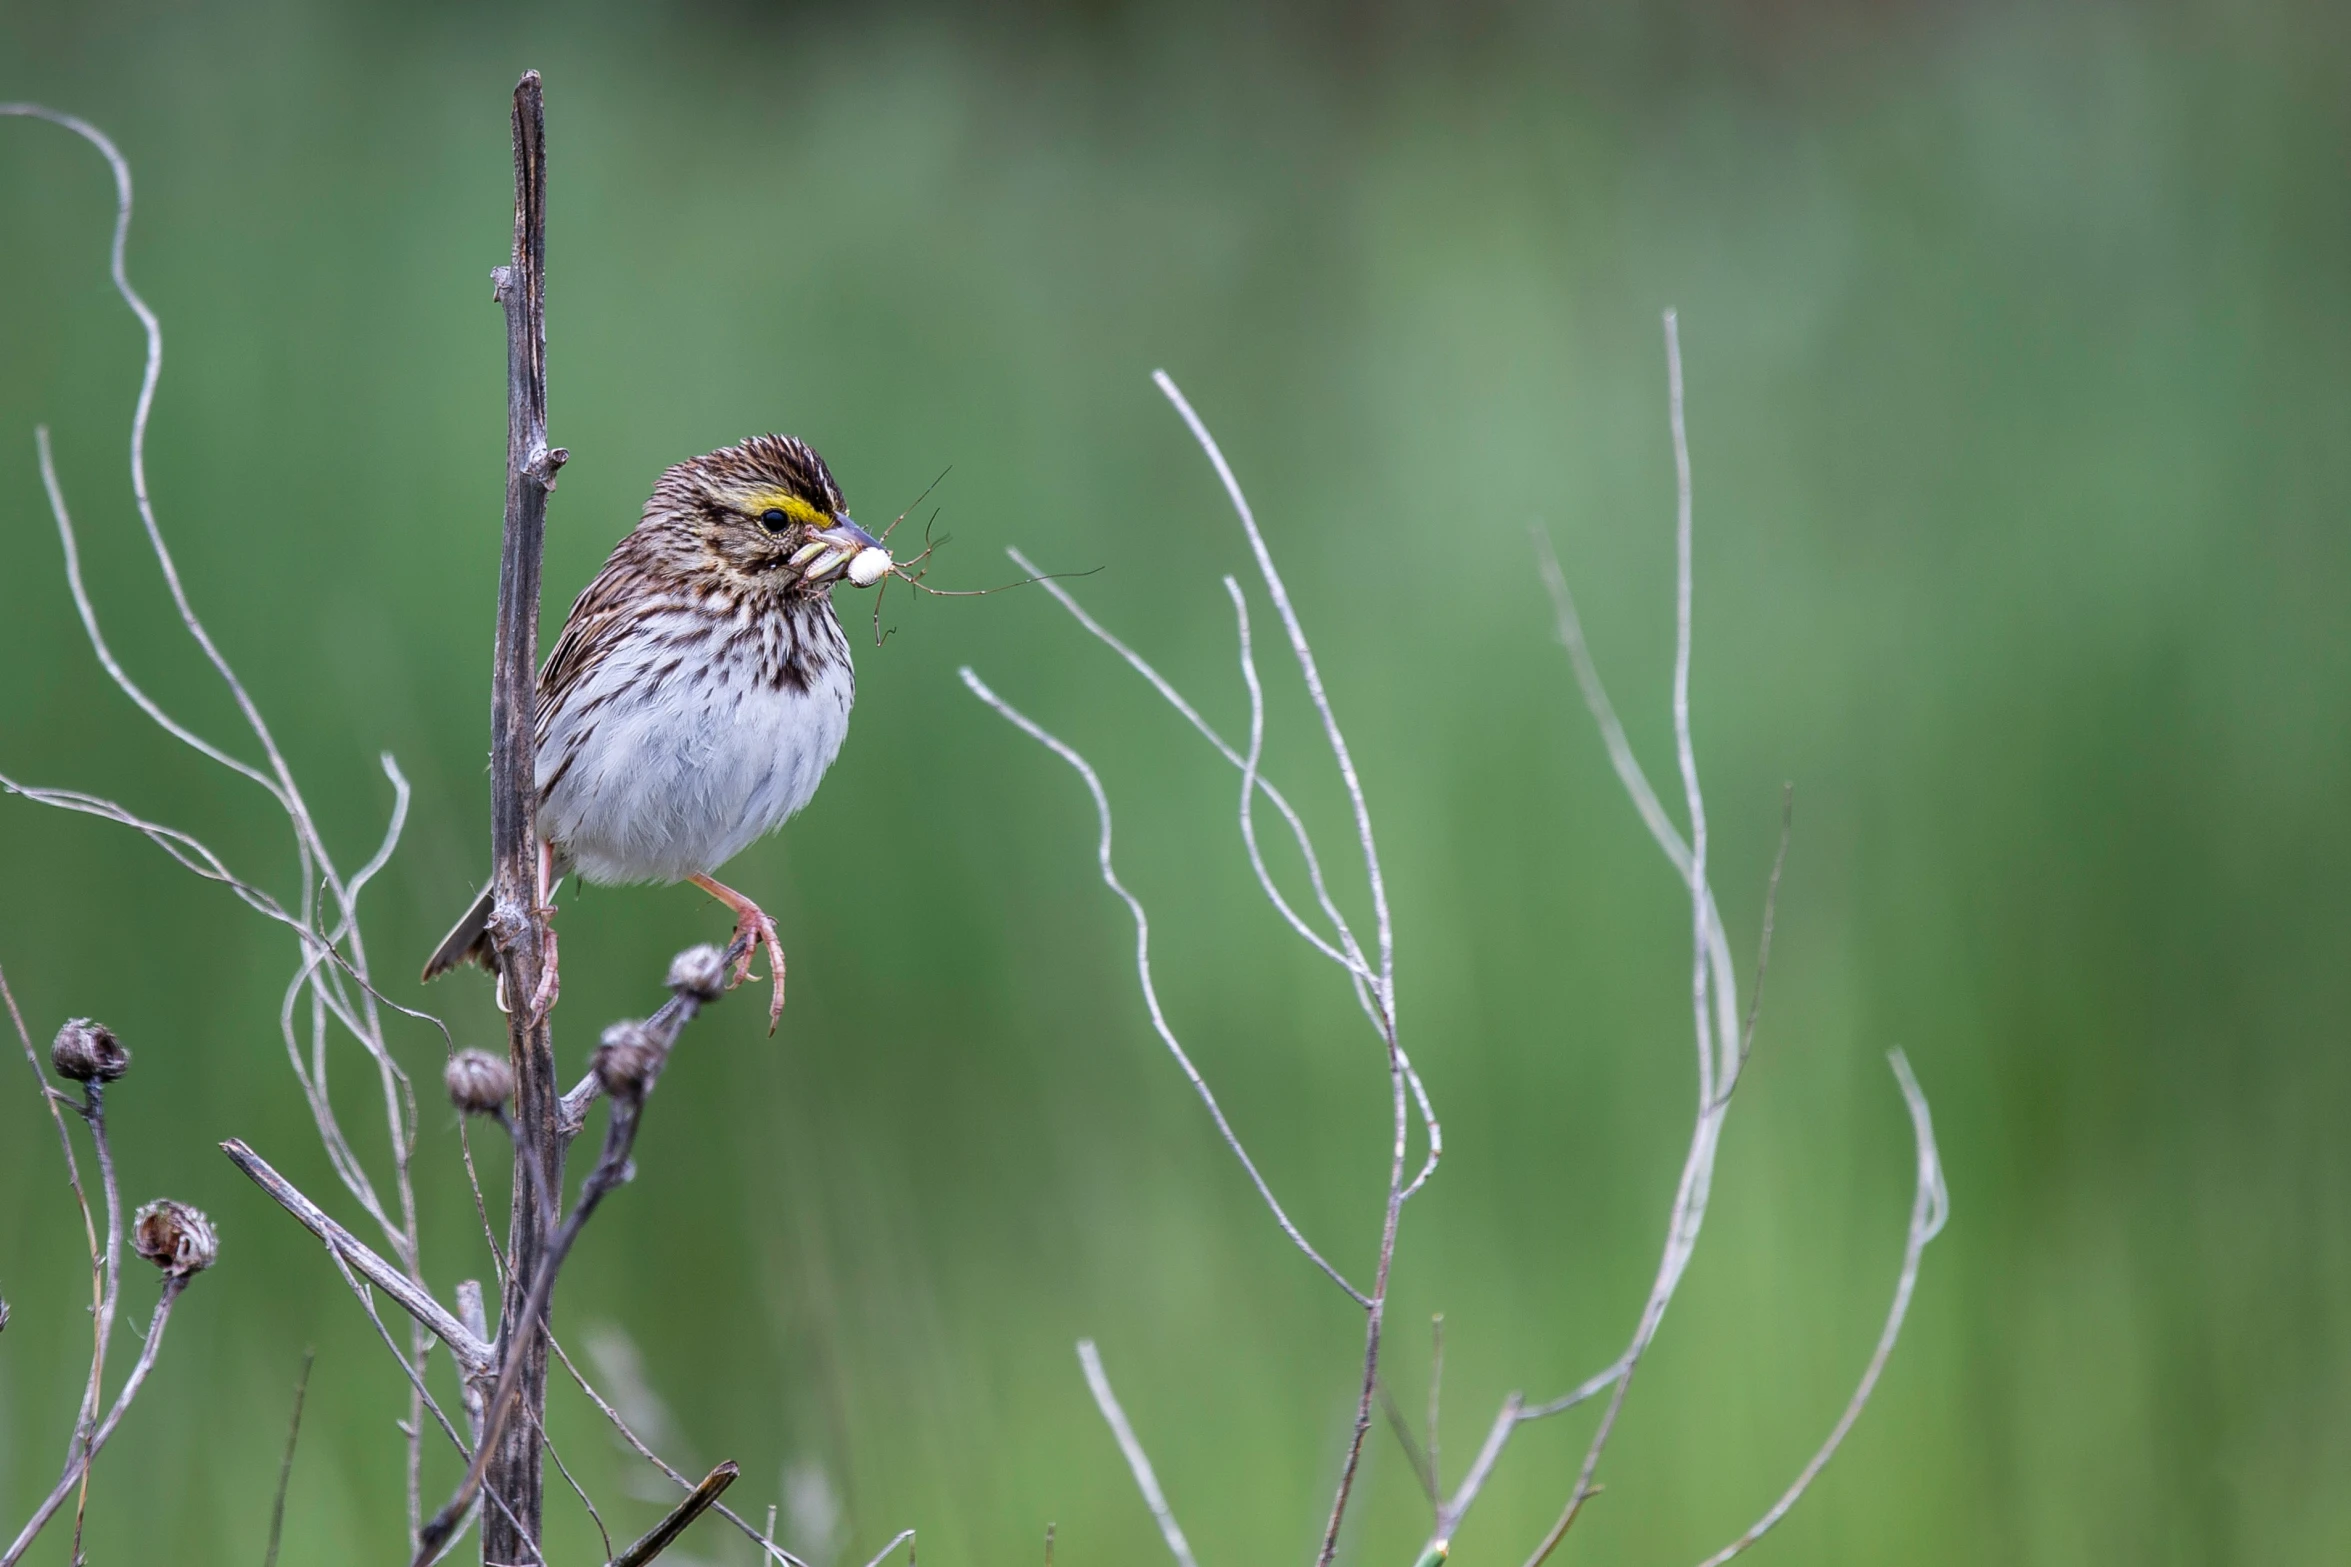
[(733, 476)]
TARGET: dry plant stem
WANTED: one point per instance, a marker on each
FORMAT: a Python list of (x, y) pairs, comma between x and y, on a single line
[(277, 1506), (903, 1537), (78, 1468), (1138, 1461), (73, 1168), (508, 1457), (108, 1286), (665, 1533), (520, 1343)]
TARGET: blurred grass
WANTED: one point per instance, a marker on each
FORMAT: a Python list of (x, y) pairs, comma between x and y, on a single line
[(2017, 343)]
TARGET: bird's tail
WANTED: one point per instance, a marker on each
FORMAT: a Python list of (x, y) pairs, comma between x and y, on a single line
[(468, 941)]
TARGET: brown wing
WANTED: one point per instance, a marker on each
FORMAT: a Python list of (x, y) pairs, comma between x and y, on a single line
[(617, 595)]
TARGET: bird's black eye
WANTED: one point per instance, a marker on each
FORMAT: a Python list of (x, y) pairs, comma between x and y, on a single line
[(773, 521)]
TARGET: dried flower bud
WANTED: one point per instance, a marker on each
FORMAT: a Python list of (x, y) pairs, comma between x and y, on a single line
[(479, 1083), (624, 1062), (87, 1052), (176, 1238), (699, 972)]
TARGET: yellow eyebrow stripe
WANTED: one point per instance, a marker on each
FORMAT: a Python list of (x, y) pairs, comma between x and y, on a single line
[(789, 504)]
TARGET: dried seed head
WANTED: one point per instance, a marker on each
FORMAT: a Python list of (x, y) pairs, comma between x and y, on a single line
[(176, 1238), (699, 972), (479, 1083), (624, 1062), (88, 1052)]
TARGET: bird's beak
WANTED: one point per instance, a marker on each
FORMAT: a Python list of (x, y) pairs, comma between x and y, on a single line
[(847, 536), (843, 544)]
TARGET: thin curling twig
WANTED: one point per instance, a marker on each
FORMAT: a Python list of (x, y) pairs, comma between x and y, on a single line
[(1929, 1208), (79, 1467), (1159, 1023)]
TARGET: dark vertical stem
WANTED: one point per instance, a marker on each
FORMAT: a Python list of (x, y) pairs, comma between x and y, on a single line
[(518, 927)]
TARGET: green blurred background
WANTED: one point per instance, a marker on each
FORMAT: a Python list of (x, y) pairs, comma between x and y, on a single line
[(2019, 346)]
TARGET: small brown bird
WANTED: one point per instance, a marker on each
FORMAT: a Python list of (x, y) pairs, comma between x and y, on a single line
[(701, 685)]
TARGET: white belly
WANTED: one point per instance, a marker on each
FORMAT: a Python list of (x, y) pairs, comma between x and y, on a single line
[(659, 774)]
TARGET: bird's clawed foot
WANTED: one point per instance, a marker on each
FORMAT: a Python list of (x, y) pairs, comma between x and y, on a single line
[(754, 930), (550, 984)]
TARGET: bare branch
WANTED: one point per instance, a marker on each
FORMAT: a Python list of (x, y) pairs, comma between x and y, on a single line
[(1137, 1460), (1929, 1208)]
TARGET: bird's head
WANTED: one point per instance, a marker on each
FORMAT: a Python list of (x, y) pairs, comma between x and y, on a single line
[(769, 509)]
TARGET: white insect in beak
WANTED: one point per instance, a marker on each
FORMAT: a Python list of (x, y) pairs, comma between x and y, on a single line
[(844, 544)]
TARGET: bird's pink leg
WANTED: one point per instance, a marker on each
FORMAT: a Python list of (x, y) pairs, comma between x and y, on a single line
[(752, 921)]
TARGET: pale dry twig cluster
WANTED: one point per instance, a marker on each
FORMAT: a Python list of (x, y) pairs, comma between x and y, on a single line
[(1722, 1041)]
